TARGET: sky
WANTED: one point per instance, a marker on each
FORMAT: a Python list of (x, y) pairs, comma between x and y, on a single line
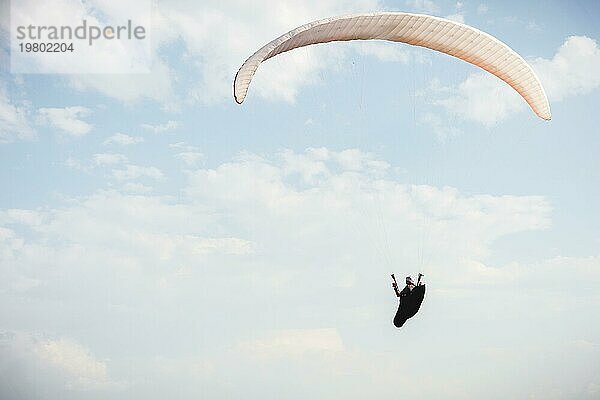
[(158, 240)]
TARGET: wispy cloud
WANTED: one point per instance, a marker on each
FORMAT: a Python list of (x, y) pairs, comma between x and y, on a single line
[(571, 71), (190, 158), (56, 361), (133, 172), (189, 154), (14, 120), (75, 361), (109, 158), (135, 187), (162, 128), (166, 258), (131, 88), (293, 343), (442, 129), (68, 120), (76, 164), (123, 139)]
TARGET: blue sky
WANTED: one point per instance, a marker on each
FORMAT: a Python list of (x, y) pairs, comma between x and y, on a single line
[(157, 239)]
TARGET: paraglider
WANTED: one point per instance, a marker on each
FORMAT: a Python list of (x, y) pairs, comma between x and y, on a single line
[(449, 37), (453, 38), (409, 299)]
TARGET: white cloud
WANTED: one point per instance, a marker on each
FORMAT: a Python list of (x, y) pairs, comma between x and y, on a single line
[(161, 128), (74, 360), (182, 146), (19, 216), (442, 129), (98, 160), (313, 165), (349, 190), (294, 343), (157, 84), (470, 100), (76, 164), (68, 120), (130, 88), (550, 274), (112, 230), (123, 139), (356, 160), (109, 158), (187, 153), (134, 187), (14, 120), (190, 158), (60, 362), (133, 172), (571, 71), (232, 265), (345, 187), (6, 234), (217, 60), (593, 389)]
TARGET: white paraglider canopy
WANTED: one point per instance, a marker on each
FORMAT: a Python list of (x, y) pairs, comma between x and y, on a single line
[(446, 36)]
